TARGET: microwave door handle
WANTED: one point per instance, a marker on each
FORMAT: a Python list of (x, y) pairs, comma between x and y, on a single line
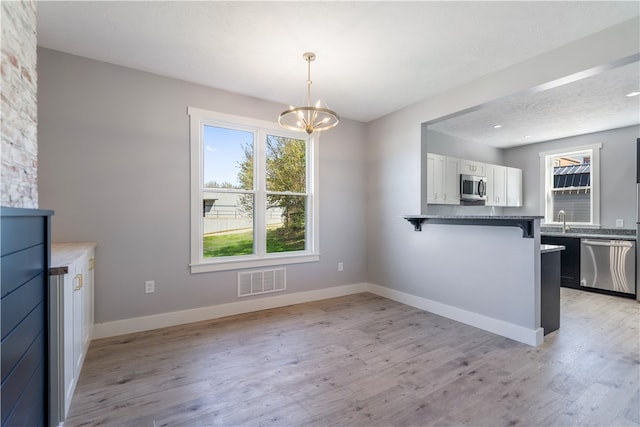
[(481, 188)]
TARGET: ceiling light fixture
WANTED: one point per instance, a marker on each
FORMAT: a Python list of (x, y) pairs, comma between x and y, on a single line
[(497, 126), (630, 94), (308, 119)]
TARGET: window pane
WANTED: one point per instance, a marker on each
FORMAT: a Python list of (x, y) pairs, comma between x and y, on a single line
[(286, 164), (286, 223), (577, 206), (571, 191), (228, 158), (227, 224)]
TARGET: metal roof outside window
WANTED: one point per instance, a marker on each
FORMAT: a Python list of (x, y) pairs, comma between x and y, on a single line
[(574, 176)]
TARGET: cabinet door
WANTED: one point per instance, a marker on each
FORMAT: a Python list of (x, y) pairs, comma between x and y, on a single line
[(431, 172), (443, 180), (69, 283), (88, 302), (79, 315), (514, 187), (435, 178), (496, 185), (77, 312), (451, 178), (569, 259), (470, 167)]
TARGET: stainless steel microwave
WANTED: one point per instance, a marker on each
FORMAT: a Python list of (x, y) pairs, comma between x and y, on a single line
[(473, 187)]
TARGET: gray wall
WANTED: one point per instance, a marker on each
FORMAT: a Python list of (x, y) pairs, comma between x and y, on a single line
[(617, 173), (114, 165), (393, 169), (448, 145)]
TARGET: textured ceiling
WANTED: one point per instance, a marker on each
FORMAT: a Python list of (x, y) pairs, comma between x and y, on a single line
[(373, 58), (588, 105)]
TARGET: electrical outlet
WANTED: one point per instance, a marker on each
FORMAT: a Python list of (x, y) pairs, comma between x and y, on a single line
[(149, 287), (340, 266), (619, 223)]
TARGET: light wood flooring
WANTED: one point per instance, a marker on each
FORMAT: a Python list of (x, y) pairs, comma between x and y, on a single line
[(363, 360)]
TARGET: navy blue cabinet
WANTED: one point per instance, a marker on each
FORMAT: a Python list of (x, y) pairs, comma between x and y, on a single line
[(569, 260), (25, 254)]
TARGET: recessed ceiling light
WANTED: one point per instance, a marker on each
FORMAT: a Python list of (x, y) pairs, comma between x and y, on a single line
[(633, 94), (527, 136), (497, 126)]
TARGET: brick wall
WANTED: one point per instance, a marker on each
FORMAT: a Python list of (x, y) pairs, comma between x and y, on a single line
[(19, 107)]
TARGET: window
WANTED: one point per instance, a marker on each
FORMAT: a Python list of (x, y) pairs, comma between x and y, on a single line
[(571, 185), (253, 200)]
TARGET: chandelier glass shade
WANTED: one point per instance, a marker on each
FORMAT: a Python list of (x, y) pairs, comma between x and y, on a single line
[(309, 118)]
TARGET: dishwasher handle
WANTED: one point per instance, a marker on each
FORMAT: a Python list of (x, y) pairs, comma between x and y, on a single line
[(608, 243)]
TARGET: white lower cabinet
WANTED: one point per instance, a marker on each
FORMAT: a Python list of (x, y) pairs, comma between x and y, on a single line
[(75, 318)]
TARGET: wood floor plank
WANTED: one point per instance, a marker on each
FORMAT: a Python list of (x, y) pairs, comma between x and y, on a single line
[(363, 360)]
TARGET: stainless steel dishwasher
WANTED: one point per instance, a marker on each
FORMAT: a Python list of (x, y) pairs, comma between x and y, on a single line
[(608, 264)]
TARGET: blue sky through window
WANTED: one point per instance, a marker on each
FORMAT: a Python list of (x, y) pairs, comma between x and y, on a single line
[(223, 153)]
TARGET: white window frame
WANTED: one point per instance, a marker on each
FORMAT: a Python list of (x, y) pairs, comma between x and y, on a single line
[(547, 184), (198, 118)]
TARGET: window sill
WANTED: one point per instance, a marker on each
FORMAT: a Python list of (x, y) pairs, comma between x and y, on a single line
[(225, 265)]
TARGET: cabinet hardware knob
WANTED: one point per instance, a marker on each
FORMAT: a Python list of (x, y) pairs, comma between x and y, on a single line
[(79, 285)]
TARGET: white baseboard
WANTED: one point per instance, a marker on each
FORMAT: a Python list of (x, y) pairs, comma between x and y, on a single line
[(524, 335), (139, 324)]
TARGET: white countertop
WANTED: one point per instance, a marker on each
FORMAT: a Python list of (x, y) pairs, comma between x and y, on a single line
[(64, 254)]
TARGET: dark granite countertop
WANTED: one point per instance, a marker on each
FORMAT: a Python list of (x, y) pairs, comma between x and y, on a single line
[(594, 233), (525, 222), (471, 217)]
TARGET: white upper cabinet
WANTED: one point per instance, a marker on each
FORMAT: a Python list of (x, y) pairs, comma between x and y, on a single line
[(443, 177), (504, 184), (470, 167), (432, 187), (496, 185), (514, 187), (452, 181)]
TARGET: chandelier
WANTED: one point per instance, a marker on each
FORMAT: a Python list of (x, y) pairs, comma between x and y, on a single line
[(308, 119)]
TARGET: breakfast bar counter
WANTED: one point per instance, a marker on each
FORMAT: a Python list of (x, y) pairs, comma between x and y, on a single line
[(510, 282), (525, 222)]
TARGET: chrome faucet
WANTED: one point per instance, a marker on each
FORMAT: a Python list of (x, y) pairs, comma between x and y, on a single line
[(563, 214)]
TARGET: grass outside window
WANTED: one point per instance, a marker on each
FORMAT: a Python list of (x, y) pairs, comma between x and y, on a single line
[(233, 244)]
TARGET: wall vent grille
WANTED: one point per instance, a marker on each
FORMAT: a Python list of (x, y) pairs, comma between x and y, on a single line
[(261, 282)]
